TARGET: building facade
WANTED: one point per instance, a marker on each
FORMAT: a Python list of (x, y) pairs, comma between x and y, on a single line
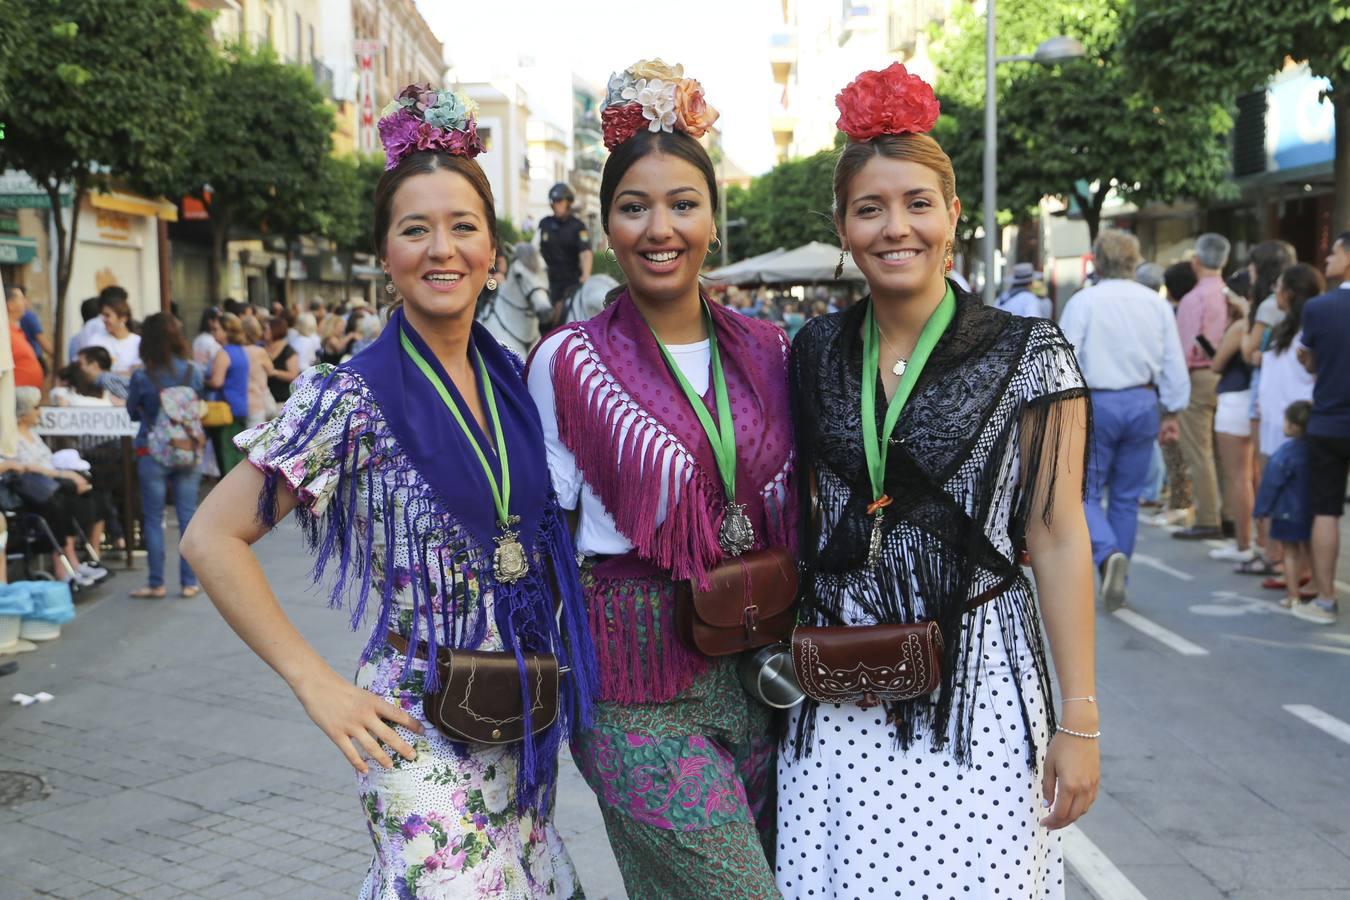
[(503, 125)]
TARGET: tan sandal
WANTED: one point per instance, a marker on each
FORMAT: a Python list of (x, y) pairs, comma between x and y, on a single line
[(149, 593), (190, 591)]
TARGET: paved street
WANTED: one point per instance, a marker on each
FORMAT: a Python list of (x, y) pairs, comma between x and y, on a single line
[(180, 766)]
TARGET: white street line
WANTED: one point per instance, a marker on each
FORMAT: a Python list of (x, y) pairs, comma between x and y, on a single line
[(1101, 875), (1318, 719), (1159, 633), (1154, 563)]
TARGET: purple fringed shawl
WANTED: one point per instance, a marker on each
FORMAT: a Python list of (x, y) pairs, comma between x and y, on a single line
[(425, 493), (636, 439)]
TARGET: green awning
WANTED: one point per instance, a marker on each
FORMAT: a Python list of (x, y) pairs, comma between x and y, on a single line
[(17, 251)]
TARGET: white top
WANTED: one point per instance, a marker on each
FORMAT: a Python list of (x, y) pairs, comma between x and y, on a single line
[(126, 352), (204, 350), (1283, 380), (1268, 313), (307, 348), (64, 396), (596, 533), (1125, 335), (87, 334)]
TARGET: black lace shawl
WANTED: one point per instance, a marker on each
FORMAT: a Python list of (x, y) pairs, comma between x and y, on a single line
[(972, 459)]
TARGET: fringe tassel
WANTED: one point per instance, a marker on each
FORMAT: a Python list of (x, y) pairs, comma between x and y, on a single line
[(527, 613)]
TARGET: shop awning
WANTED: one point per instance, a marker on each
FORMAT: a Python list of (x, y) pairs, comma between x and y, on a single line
[(17, 251), (133, 205)]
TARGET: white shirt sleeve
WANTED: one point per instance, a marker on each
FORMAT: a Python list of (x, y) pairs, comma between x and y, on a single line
[(1174, 381), (562, 465)]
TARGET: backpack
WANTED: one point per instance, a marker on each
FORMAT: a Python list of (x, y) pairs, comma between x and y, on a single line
[(176, 438)]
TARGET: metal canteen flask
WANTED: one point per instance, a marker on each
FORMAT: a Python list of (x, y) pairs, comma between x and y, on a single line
[(767, 676)]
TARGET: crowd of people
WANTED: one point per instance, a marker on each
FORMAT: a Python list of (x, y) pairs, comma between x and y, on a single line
[(1230, 416), (242, 360)]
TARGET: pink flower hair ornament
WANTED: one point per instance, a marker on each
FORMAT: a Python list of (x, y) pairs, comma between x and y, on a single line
[(888, 101), (421, 118), (654, 96)]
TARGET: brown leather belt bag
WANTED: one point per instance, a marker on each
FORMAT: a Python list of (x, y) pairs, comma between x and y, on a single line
[(748, 604), (871, 664), (479, 699)]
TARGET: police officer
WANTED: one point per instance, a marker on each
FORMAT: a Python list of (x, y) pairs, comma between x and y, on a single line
[(565, 245)]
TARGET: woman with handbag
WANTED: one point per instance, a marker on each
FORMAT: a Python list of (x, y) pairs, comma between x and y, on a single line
[(418, 472), (165, 366), (228, 381), (937, 436), (668, 432)]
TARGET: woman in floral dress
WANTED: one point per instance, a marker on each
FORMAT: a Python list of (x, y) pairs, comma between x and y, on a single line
[(407, 468), (681, 757)]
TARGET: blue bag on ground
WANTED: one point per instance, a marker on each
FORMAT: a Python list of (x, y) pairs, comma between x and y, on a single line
[(52, 601), (15, 599)]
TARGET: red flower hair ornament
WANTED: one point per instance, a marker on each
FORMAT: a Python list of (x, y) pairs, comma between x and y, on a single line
[(889, 101)]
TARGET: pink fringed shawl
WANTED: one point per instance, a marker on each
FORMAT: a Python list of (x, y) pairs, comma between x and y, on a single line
[(636, 441)]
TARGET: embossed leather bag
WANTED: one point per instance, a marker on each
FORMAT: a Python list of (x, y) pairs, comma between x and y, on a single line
[(871, 664), (748, 604), (479, 698)]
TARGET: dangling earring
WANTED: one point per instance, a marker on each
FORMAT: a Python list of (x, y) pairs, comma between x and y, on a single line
[(491, 283), (389, 288), (611, 255), (950, 261), (839, 269), (711, 249)]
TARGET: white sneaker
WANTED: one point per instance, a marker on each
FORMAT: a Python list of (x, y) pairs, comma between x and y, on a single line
[(1114, 572), (78, 580), (1319, 612), (92, 572), (1231, 553)]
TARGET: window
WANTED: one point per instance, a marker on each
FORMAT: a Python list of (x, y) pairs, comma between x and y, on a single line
[(312, 55), (267, 35), (299, 36)]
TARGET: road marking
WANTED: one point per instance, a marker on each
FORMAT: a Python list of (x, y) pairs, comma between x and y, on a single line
[(1154, 563), (1159, 633), (1101, 875), (1318, 719), (1290, 645), (1231, 603)]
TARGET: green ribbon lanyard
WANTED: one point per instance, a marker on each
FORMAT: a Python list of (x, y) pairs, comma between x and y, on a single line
[(736, 535), (501, 497), (876, 447)]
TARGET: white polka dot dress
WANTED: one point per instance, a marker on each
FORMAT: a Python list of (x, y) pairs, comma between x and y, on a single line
[(861, 818)]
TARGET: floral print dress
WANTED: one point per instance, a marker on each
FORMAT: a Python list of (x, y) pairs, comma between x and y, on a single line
[(443, 824)]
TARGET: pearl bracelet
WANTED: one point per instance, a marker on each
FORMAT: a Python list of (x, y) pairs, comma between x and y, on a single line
[(1089, 735)]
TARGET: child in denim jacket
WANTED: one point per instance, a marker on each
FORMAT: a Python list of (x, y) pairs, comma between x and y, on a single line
[(1283, 498)]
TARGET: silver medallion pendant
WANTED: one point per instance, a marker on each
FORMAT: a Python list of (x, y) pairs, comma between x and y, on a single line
[(509, 563), (874, 543), (737, 534)]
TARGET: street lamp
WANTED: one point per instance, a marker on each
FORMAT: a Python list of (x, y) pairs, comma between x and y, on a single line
[(1055, 50)]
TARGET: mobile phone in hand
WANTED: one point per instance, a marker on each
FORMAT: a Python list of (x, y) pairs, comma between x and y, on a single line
[(1206, 346)]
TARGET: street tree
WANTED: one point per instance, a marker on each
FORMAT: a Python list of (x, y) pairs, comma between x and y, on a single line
[(350, 194), (785, 207), (1209, 50), (1079, 131), (99, 93), (259, 160)]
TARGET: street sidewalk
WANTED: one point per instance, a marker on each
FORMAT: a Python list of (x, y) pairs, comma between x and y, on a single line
[(181, 766)]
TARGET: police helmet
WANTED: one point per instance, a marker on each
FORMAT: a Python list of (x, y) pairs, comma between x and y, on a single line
[(561, 191)]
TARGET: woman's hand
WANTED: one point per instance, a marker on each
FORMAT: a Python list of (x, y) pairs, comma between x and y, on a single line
[(356, 720), (1073, 769), (82, 485)]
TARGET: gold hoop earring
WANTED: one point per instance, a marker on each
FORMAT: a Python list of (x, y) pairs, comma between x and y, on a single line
[(711, 249), (839, 268), (611, 255)]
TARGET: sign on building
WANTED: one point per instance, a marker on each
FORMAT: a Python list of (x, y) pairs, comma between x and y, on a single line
[(367, 117)]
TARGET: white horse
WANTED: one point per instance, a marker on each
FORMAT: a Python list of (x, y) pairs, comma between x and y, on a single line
[(587, 300), (513, 313)]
